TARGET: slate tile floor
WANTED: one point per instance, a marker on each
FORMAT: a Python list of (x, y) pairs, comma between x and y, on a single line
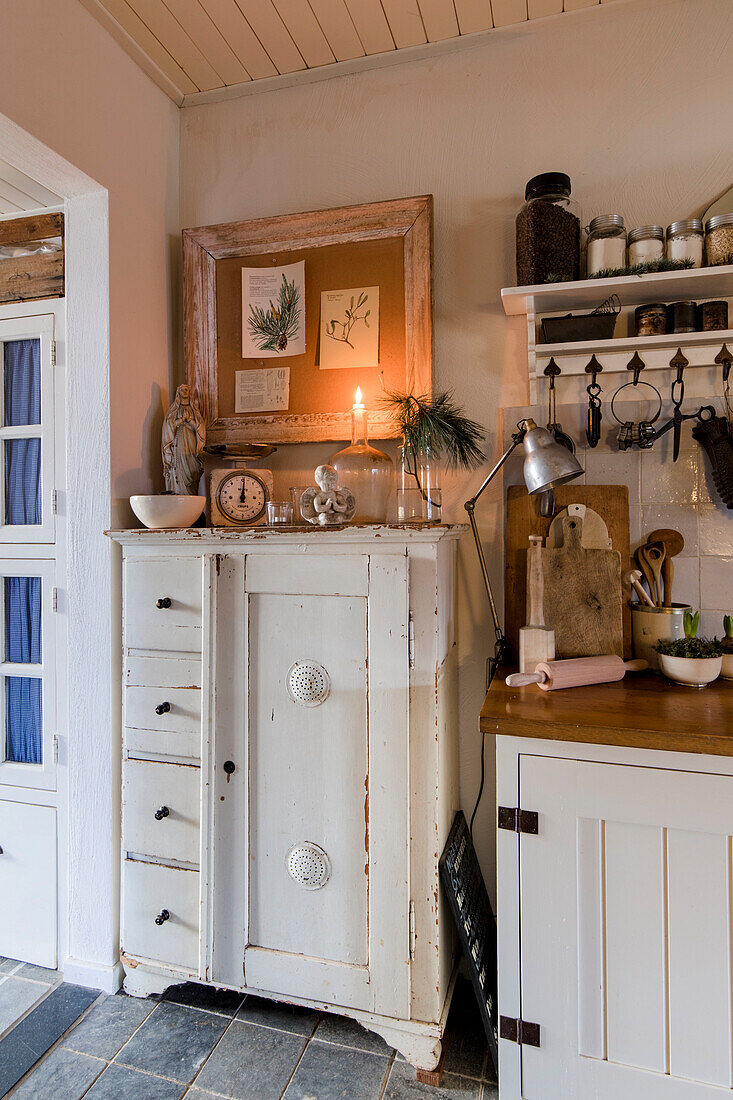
[(203, 1044), (21, 987)]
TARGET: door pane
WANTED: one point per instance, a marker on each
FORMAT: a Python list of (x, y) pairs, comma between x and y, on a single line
[(23, 720), (23, 620), (22, 481), (22, 388)]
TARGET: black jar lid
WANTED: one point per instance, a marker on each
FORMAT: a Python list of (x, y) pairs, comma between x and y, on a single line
[(547, 183)]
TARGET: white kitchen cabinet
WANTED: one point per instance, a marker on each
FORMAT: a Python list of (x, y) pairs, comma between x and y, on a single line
[(615, 922), (289, 774)]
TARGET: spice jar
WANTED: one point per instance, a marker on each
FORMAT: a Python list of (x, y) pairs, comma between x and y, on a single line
[(713, 316), (548, 232), (646, 244), (719, 239), (682, 317), (651, 320), (606, 243), (684, 241)]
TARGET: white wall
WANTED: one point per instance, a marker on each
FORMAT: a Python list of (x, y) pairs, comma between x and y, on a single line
[(632, 100), (65, 82)]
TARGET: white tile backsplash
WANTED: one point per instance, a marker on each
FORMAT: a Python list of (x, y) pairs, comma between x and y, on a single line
[(662, 493)]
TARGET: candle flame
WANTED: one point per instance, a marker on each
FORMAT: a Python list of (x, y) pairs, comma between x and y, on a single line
[(357, 402)]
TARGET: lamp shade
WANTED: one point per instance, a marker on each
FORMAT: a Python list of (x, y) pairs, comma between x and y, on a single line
[(547, 462)]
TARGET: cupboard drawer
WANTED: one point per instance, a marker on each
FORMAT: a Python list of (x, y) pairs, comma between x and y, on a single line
[(150, 788), (175, 732), (175, 584), (148, 891)]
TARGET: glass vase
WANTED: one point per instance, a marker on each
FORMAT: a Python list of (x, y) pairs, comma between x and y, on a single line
[(368, 472), (419, 496)]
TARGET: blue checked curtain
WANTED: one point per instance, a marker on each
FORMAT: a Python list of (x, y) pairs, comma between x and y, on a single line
[(22, 595), (22, 398)]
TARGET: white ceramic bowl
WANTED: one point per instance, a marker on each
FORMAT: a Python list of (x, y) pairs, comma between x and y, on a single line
[(167, 510), (727, 670), (693, 671)]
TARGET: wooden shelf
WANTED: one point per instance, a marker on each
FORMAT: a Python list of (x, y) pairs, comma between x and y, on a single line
[(633, 290)]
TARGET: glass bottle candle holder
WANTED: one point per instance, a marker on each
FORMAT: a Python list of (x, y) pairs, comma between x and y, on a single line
[(368, 472)]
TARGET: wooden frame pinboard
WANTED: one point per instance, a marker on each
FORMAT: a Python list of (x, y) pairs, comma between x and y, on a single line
[(400, 228)]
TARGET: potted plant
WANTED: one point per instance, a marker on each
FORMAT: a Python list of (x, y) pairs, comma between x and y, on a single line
[(434, 430), (691, 660), (727, 644)]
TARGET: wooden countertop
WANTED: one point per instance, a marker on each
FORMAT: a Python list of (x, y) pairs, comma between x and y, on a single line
[(644, 711)]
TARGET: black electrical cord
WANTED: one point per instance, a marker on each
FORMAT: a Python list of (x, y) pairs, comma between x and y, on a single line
[(492, 666)]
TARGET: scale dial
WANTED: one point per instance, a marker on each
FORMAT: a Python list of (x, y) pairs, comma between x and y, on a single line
[(241, 497)]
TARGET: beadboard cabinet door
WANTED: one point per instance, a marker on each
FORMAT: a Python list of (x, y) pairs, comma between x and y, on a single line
[(624, 904)]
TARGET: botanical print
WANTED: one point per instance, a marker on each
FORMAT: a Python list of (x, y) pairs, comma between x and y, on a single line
[(350, 328), (273, 313)]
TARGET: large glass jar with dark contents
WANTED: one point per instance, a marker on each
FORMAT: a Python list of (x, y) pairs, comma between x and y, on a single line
[(548, 232)]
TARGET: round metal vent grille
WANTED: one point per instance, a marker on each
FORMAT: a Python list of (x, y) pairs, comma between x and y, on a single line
[(308, 865), (309, 684)]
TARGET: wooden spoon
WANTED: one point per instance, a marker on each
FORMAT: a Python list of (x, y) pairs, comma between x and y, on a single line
[(654, 557), (646, 572), (673, 544)]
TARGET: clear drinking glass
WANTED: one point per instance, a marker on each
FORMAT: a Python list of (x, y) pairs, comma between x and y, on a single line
[(419, 497), (296, 492), (279, 513)]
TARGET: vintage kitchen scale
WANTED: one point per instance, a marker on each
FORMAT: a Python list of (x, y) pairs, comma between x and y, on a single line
[(238, 493)]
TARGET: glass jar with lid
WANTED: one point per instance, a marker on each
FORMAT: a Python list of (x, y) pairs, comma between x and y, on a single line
[(646, 244), (685, 240), (548, 232), (719, 239), (606, 243)]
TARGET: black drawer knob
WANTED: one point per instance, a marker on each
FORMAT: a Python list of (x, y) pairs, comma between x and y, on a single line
[(163, 602), (162, 917), (162, 708), (161, 813)]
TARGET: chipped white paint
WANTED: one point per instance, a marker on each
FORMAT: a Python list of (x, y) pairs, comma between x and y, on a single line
[(369, 776)]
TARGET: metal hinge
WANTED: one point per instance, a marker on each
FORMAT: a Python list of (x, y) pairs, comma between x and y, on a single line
[(55, 748), (519, 1031), (55, 502), (54, 599), (53, 353), (411, 639), (518, 821), (413, 934)]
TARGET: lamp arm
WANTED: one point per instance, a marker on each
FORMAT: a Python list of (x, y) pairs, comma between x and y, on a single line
[(470, 506)]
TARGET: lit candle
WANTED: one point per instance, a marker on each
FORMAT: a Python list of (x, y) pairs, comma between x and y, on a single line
[(358, 402)]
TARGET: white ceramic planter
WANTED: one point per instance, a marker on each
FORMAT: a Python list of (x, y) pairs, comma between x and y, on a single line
[(727, 670), (692, 671), (167, 510)]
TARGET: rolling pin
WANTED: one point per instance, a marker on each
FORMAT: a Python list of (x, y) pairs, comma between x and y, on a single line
[(576, 672)]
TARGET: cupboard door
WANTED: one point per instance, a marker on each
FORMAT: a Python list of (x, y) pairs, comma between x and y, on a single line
[(626, 931), (28, 914), (327, 747)]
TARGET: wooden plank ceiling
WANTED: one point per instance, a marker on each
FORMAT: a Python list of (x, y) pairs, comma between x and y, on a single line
[(191, 46), (19, 192)]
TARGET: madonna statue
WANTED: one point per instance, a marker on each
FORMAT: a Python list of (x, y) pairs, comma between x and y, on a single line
[(182, 443)]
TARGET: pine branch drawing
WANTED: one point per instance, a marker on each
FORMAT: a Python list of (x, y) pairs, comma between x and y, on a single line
[(272, 329), (341, 330)]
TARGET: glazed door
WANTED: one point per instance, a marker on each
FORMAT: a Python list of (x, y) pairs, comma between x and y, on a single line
[(325, 736)]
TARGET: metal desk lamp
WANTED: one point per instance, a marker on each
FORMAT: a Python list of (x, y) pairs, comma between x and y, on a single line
[(547, 463)]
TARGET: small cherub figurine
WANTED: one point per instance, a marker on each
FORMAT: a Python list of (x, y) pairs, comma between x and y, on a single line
[(328, 504)]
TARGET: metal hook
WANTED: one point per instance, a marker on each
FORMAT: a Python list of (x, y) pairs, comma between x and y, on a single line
[(593, 430), (725, 358), (551, 371), (637, 365)]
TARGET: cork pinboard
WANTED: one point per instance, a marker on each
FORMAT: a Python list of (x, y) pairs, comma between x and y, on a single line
[(388, 245), (611, 502)]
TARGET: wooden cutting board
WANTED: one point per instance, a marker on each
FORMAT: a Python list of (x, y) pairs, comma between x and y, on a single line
[(523, 519), (583, 602)]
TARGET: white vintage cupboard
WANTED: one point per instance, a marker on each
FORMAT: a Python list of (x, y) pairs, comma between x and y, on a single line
[(289, 769), (615, 917)]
